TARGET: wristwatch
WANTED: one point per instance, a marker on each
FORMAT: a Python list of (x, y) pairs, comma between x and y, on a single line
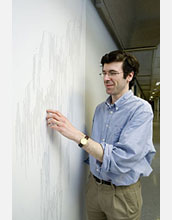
[(83, 141)]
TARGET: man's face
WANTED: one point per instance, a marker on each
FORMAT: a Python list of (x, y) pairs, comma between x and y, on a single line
[(114, 81)]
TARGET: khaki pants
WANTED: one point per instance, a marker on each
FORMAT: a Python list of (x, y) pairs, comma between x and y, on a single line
[(108, 202)]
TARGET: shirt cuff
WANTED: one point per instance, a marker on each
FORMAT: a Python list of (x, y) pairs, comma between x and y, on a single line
[(105, 165)]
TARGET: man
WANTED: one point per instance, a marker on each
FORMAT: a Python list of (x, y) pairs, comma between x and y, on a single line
[(120, 149)]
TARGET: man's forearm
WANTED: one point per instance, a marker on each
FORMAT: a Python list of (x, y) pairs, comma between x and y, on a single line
[(92, 147), (95, 149)]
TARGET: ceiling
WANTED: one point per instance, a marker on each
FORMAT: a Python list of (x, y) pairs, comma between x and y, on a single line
[(135, 27)]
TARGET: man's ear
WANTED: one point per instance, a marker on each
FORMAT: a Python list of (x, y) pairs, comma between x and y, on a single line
[(130, 76)]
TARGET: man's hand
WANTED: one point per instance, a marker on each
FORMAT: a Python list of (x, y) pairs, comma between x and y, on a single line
[(60, 123)]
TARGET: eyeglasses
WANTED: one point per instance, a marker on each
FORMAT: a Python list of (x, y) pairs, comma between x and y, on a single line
[(110, 73)]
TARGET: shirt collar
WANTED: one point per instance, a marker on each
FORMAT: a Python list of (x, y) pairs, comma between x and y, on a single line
[(120, 101)]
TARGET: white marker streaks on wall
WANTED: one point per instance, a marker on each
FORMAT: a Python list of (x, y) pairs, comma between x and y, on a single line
[(57, 65)]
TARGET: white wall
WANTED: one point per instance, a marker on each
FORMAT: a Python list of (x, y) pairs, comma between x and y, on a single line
[(49, 72), (54, 43), (98, 42)]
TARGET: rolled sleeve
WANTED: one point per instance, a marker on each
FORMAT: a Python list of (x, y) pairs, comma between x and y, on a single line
[(109, 164)]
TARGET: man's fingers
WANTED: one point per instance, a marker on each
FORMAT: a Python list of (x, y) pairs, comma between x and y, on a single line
[(56, 115), (53, 122), (53, 116), (54, 112)]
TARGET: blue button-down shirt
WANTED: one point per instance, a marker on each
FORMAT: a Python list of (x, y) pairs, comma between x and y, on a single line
[(124, 129)]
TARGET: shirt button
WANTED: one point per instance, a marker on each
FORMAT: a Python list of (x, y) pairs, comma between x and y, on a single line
[(97, 169), (111, 112), (103, 139), (107, 125), (117, 108)]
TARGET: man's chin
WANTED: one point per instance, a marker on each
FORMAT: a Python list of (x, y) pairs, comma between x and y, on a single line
[(108, 91)]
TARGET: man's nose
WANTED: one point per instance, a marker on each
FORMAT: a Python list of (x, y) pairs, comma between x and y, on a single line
[(106, 77)]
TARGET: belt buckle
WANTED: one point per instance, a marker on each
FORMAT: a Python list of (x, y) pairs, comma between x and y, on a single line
[(99, 183)]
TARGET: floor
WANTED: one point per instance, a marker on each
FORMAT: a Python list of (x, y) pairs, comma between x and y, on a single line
[(151, 184)]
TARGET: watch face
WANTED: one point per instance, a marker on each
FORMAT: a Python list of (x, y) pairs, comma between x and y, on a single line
[(83, 141)]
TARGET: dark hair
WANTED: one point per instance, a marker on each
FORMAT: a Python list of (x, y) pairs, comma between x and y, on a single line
[(130, 63)]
